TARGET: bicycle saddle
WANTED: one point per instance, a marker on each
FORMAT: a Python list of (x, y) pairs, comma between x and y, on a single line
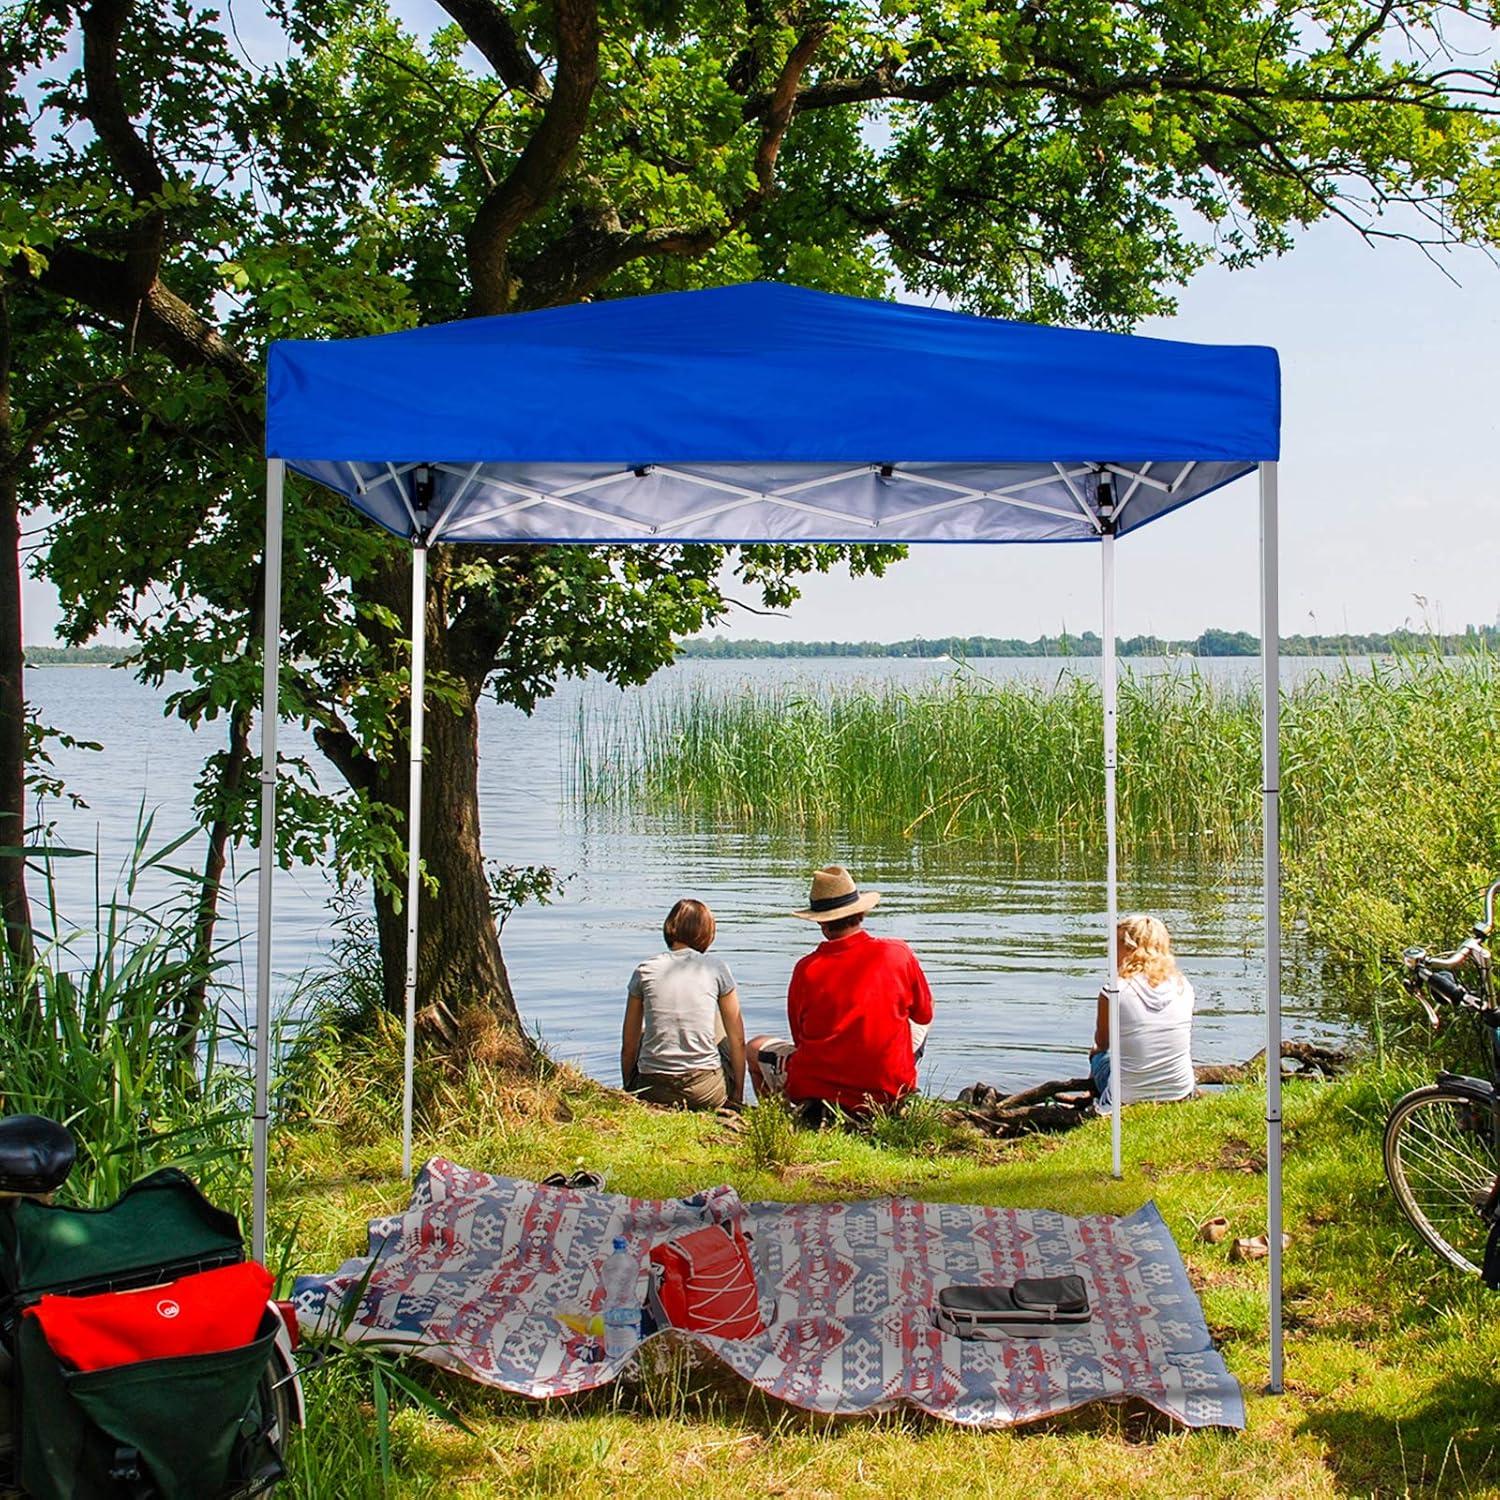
[(36, 1154)]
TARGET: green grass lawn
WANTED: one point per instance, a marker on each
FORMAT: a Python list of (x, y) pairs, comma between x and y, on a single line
[(1392, 1360)]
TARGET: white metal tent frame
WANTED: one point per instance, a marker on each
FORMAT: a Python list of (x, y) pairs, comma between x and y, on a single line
[(1031, 494)]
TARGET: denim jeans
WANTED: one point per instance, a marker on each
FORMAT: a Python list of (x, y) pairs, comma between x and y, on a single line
[(1099, 1072)]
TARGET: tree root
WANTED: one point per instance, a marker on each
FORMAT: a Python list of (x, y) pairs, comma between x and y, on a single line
[(1064, 1103)]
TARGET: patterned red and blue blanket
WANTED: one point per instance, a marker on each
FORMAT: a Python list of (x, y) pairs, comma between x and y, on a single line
[(474, 1274)]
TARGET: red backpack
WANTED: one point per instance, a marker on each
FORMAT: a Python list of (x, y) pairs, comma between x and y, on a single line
[(706, 1283)]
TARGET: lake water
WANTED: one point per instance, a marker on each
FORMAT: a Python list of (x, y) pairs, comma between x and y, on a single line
[(1013, 951)]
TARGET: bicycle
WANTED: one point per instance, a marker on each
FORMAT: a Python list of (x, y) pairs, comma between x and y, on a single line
[(36, 1158), (1442, 1141)]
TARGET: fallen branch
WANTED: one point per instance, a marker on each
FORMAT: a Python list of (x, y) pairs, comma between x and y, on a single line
[(1324, 1062), (1058, 1105), (1044, 1091), (983, 1096), (1062, 1103)]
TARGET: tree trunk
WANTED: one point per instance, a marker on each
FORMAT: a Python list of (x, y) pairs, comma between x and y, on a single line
[(14, 904), (205, 921), (463, 991), (15, 908)]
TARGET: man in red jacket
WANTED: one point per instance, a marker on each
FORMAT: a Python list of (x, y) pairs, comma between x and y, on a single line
[(858, 1006)]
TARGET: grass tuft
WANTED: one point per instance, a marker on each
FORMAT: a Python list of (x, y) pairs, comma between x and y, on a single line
[(918, 1126), (772, 1140)]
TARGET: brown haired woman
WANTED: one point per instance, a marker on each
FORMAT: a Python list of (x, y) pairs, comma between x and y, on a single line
[(684, 1039)]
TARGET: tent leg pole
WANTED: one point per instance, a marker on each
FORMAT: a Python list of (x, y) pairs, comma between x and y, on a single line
[(1270, 666), (270, 699), (414, 833), (1112, 872)]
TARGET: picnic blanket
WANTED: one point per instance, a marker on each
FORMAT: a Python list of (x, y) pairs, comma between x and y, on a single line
[(473, 1275)]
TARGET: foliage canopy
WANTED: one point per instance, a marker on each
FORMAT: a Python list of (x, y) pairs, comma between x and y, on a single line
[(173, 199)]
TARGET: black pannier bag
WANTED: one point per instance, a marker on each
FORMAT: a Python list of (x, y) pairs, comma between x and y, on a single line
[(195, 1427), (1037, 1307)]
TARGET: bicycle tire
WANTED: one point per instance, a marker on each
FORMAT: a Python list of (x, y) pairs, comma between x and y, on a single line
[(1442, 1158), (279, 1405)]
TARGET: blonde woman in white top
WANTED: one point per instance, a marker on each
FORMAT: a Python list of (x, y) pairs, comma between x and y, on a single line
[(1156, 1020)]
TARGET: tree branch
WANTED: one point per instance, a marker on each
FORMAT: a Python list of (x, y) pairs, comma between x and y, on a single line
[(161, 319), (490, 30), (1376, 26), (335, 741), (1061, 78), (782, 104), (592, 251), (884, 220), (104, 103), (41, 427), (542, 163)]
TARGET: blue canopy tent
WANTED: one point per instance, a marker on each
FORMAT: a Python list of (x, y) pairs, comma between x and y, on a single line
[(767, 413)]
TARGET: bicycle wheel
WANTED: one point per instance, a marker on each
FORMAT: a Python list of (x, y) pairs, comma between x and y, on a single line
[(276, 1392), (1441, 1158), (276, 1413)]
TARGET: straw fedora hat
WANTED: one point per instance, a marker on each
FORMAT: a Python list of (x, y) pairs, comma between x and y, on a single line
[(835, 896)]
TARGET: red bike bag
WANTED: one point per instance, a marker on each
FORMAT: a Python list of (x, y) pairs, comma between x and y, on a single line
[(206, 1313)]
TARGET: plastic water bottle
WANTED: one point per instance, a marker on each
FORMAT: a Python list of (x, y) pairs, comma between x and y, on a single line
[(622, 1309)]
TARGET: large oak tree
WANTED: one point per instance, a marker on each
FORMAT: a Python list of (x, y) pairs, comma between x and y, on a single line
[(172, 202)]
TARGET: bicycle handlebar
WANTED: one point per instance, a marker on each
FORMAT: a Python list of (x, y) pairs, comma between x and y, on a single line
[(1424, 979), (1433, 974), (1444, 986), (1489, 912), (1450, 961)]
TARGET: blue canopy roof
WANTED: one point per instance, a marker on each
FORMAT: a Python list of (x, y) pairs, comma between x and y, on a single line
[(766, 412)]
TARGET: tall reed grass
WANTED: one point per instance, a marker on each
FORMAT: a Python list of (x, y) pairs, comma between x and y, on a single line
[(1392, 798), (1006, 762), (89, 1035), (1390, 775)]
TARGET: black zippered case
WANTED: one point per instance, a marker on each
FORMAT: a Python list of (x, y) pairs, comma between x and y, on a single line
[(1035, 1307)]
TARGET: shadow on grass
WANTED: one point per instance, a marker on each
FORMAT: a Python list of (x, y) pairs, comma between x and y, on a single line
[(1443, 1444), (688, 1387)]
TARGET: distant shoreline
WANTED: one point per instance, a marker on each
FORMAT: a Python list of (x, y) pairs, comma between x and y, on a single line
[(77, 656), (1210, 644)]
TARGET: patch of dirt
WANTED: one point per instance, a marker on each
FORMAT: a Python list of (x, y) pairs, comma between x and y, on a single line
[(1214, 1273), (1237, 1155), (827, 1175)]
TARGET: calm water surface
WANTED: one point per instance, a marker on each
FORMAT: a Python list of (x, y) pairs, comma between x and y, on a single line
[(1013, 951)]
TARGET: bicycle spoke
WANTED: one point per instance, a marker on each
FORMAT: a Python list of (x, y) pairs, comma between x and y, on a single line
[(1445, 1176), (1440, 1173), (1442, 1161)]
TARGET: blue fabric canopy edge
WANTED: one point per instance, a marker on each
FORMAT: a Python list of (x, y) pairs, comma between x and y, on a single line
[(765, 373)]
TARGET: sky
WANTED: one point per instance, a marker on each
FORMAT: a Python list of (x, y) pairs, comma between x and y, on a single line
[(1390, 377), (1390, 413)]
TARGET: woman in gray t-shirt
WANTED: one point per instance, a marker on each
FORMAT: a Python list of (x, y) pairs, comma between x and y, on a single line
[(684, 1040)]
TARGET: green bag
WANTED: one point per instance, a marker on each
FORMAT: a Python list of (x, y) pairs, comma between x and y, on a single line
[(190, 1428), (159, 1228), (178, 1429)]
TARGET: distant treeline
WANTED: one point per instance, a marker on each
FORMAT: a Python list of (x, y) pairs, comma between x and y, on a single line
[(76, 656), (1209, 643)]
